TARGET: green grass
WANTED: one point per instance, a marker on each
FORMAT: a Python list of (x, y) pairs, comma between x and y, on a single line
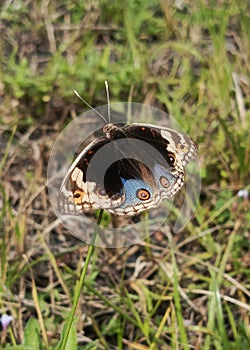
[(184, 291)]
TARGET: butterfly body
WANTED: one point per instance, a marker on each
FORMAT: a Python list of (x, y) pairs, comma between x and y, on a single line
[(128, 169)]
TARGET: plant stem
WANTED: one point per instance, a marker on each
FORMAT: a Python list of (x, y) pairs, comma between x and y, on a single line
[(79, 286)]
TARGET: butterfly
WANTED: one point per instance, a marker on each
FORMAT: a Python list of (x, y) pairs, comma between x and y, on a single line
[(127, 169)]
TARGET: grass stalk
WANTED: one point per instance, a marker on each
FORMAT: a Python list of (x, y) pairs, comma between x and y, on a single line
[(62, 345)]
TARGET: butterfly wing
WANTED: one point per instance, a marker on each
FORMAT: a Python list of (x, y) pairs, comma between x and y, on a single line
[(176, 149), (167, 141), (78, 193), (129, 186)]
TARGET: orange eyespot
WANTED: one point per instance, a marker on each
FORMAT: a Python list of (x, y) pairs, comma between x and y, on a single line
[(164, 182), (143, 194), (77, 195)]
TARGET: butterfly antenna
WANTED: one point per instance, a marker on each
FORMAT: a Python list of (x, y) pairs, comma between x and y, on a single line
[(89, 106), (107, 92)]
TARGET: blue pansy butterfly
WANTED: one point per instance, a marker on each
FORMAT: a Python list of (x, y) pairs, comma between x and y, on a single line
[(138, 166)]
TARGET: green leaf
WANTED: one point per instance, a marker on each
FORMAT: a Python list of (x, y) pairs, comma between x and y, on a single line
[(72, 339), (32, 335)]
